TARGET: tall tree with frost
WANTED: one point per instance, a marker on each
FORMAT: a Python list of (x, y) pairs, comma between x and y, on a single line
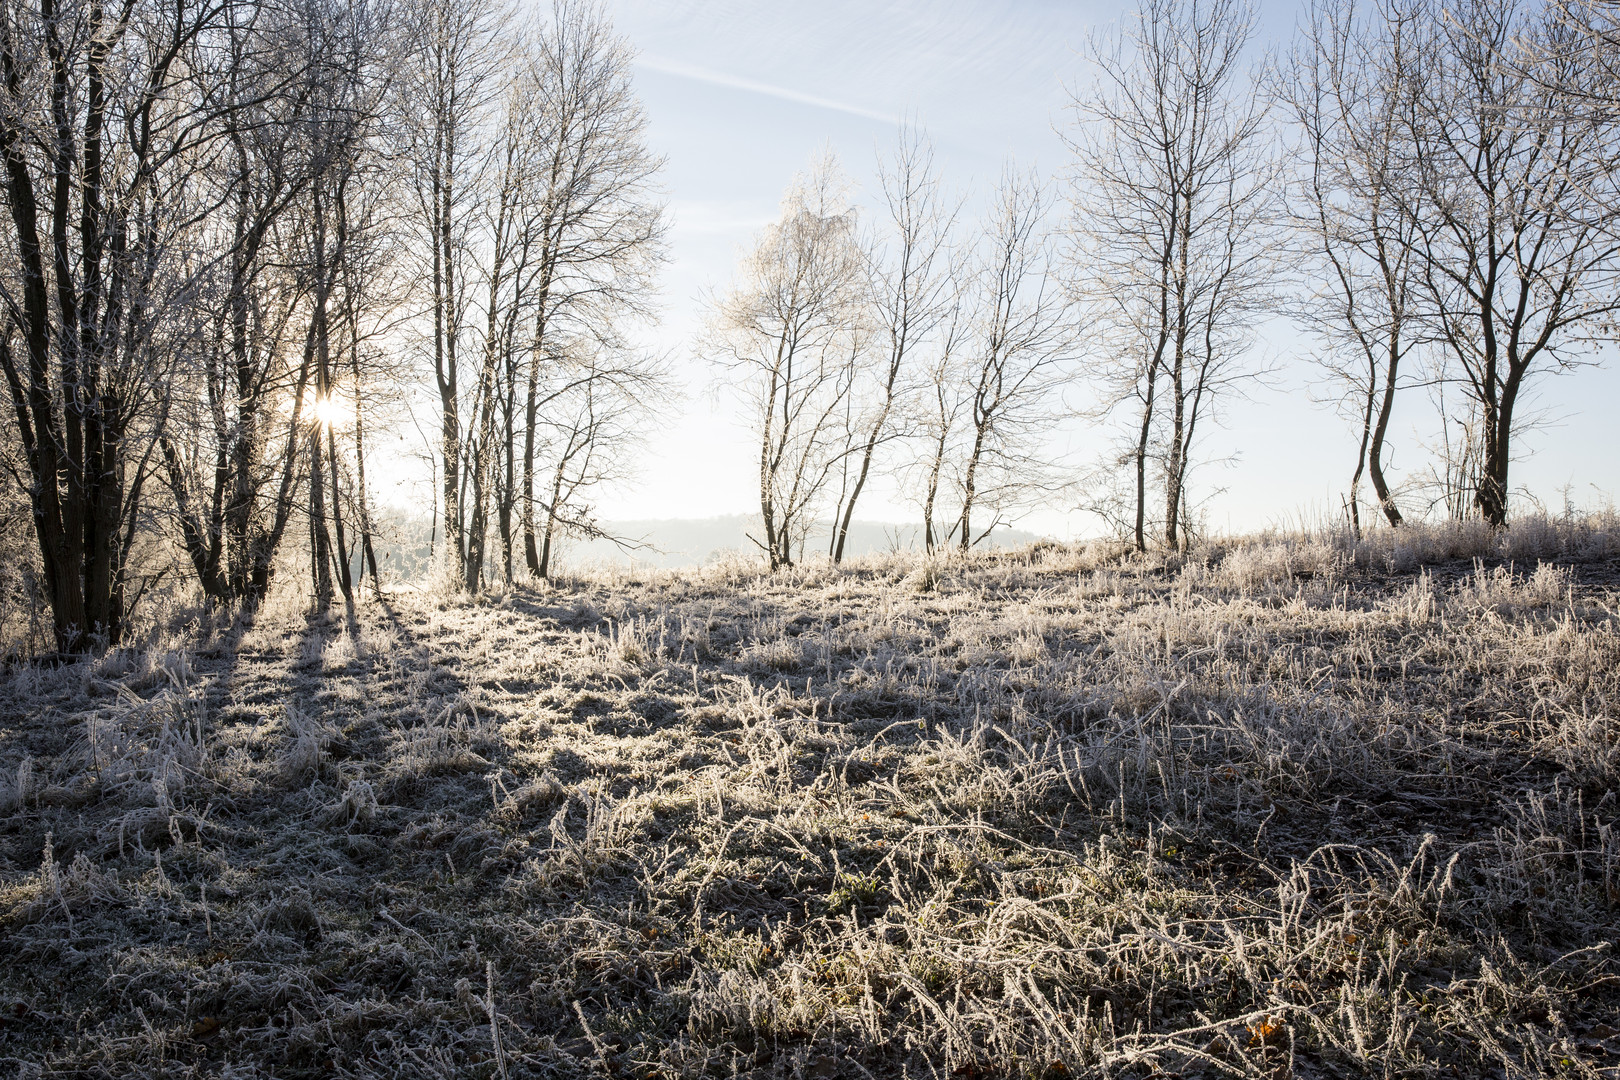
[(1173, 176)]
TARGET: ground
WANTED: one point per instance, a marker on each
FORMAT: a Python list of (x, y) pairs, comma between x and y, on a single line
[(1279, 809)]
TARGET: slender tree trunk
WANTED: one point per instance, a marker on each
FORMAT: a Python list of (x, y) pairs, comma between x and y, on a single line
[(866, 465), (243, 484), (931, 541), (1142, 455), (1174, 466), (531, 414), (445, 333), (1375, 446), (1167, 259), (344, 554), (1361, 465), (321, 553), (551, 520), (262, 546), (970, 488), (433, 529), (368, 555), (545, 549), (767, 508), (509, 465)]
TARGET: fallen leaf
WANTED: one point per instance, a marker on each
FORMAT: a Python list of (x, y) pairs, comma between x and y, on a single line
[(205, 1028), (1267, 1032)]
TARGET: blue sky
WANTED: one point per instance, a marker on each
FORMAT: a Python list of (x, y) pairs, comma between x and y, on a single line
[(741, 95)]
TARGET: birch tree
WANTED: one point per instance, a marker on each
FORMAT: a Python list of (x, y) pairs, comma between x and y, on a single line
[(457, 62), (791, 336), (231, 466), (600, 227)]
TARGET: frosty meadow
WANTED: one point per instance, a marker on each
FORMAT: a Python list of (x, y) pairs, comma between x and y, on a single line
[(332, 329), (1283, 808)]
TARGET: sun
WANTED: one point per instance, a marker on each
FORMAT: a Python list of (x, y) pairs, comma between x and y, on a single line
[(328, 411)]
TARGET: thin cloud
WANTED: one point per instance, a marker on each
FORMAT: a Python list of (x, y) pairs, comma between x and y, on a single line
[(736, 82)]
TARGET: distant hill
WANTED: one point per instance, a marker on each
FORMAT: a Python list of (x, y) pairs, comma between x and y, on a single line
[(402, 542), (677, 542)]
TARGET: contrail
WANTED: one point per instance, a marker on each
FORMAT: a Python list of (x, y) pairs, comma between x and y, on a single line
[(717, 78)]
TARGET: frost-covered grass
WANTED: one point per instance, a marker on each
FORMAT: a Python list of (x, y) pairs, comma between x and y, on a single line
[(1285, 808)]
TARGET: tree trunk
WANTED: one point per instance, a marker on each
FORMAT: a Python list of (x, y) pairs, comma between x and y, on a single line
[(551, 520), (970, 489), (368, 553), (1492, 496), (1141, 458), (321, 556), (866, 463), (531, 413), (445, 334), (930, 541), (509, 465), (1375, 446)]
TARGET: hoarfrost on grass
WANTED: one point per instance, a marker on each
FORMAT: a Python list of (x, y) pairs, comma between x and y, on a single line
[(1270, 808)]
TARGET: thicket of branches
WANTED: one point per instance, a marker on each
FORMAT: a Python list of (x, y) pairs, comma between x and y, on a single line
[(243, 237), (1426, 188), (239, 232)]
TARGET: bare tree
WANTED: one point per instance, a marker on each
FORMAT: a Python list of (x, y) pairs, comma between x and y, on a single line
[(1172, 179), (1348, 89), (791, 335), (345, 103), (457, 64), (599, 228), (305, 88), (562, 240), (1513, 208), (510, 234), (910, 293), (104, 122), (596, 419), (1023, 335), (230, 477), (373, 289)]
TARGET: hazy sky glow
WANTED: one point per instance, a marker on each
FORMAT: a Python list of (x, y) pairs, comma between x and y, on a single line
[(741, 95)]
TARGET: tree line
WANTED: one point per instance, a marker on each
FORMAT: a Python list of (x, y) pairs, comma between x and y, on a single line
[(244, 239), (1427, 187), (240, 231)]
